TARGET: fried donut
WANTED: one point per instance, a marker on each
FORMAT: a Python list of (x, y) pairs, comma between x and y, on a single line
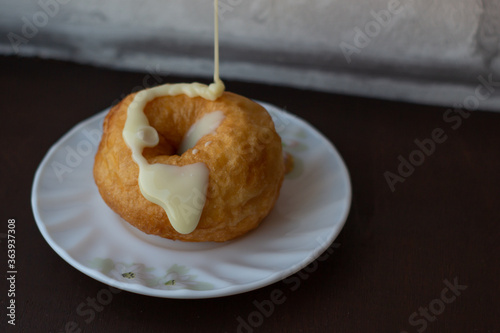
[(243, 157)]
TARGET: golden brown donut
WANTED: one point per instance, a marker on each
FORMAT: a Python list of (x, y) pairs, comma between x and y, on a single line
[(244, 159)]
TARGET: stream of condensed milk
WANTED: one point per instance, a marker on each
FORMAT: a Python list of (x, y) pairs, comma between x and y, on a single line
[(179, 190)]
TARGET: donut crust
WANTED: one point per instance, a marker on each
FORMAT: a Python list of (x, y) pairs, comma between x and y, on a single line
[(244, 158)]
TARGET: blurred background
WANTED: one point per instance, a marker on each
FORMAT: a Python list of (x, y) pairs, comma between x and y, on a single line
[(427, 51)]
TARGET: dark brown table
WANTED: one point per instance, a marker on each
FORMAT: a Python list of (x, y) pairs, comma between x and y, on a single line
[(424, 257)]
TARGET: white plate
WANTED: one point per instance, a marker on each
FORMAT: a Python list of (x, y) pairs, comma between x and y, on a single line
[(310, 212)]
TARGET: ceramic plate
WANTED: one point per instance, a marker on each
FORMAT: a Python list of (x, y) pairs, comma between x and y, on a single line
[(310, 212)]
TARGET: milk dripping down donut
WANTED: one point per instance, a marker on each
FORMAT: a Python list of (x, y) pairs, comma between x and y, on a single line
[(190, 161), (169, 185)]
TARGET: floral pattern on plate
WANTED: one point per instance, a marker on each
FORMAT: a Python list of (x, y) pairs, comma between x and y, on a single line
[(174, 278)]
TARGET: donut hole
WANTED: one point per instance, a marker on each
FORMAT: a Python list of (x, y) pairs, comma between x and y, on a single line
[(172, 117), (164, 147)]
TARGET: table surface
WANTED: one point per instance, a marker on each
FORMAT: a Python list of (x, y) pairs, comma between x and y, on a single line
[(420, 256)]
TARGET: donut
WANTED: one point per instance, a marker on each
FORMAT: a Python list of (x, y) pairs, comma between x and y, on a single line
[(242, 158)]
